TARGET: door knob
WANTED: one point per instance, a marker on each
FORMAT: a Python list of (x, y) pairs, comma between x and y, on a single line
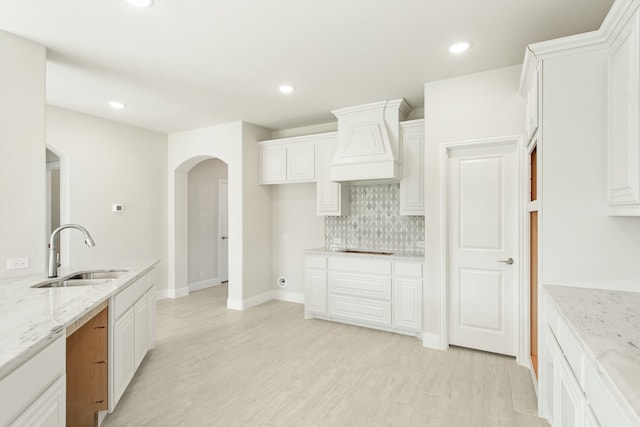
[(507, 261), (224, 237)]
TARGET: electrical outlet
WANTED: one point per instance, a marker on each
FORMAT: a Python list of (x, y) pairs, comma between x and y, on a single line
[(285, 237), (17, 263)]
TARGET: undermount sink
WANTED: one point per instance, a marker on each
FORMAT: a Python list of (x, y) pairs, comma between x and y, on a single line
[(86, 278), (98, 274), (70, 283)]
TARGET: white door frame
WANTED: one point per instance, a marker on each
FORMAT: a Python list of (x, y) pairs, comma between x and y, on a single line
[(523, 311), (222, 182)]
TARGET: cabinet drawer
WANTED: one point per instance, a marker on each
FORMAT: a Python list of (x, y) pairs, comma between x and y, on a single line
[(604, 405), (31, 379), (409, 269), (550, 315), (360, 285), (572, 351), (361, 310), (129, 296), (315, 261), (360, 265)]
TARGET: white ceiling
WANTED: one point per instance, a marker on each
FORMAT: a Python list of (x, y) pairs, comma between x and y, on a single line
[(184, 64)]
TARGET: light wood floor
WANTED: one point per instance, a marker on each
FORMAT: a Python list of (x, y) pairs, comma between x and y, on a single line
[(268, 366)]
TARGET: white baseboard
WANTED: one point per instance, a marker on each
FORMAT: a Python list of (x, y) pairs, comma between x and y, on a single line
[(235, 304), (204, 284), (297, 297), (431, 340), (173, 293), (242, 305), (257, 300)]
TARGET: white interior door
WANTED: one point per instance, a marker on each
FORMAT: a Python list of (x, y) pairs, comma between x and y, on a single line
[(483, 245), (223, 230)]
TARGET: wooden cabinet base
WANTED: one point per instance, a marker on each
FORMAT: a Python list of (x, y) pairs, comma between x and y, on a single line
[(87, 371)]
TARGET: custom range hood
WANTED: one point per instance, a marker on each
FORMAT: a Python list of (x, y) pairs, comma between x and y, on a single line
[(368, 147)]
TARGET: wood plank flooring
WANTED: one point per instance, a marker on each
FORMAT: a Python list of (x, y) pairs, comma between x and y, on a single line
[(267, 366)]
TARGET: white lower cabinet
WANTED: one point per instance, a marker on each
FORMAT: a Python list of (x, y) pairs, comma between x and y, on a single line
[(151, 322), (573, 392), (124, 353), (315, 293), (569, 398), (141, 329), (34, 394), (364, 291), (134, 327), (48, 410)]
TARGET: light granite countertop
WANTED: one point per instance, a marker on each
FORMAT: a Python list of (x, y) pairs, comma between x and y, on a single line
[(608, 324), (31, 318), (397, 255)]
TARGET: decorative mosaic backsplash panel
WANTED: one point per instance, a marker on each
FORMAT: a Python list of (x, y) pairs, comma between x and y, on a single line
[(375, 222)]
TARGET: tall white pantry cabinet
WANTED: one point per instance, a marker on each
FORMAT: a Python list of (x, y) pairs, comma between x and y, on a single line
[(571, 390)]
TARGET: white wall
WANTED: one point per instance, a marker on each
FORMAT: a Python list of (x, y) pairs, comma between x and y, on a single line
[(104, 162), (294, 214), (469, 107), (581, 244), (256, 214), (22, 175), (203, 221), (249, 207)]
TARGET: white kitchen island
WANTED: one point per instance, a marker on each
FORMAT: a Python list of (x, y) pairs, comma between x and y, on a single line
[(33, 326)]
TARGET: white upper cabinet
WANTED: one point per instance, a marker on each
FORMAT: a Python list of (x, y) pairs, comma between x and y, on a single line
[(288, 160), (332, 198), (531, 112), (412, 183), (624, 120), (273, 165)]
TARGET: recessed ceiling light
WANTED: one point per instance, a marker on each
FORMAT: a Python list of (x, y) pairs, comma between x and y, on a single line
[(117, 105), (286, 88), (140, 3), (459, 47)]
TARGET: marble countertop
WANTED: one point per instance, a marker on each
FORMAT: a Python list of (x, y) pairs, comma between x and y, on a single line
[(608, 323), (31, 318), (398, 255)]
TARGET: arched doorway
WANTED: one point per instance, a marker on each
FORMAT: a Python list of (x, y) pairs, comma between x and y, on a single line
[(178, 221), (207, 224)]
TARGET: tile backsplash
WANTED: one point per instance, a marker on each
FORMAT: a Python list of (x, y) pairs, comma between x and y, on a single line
[(375, 223)]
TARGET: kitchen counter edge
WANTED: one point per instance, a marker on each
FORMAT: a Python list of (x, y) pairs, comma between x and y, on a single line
[(33, 333)]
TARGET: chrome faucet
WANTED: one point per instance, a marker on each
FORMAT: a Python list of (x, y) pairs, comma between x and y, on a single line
[(53, 261)]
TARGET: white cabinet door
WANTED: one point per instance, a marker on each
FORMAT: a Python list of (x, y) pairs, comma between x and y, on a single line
[(48, 410), (412, 183), (550, 352), (141, 328), (124, 364), (570, 401), (624, 121), (273, 165), (151, 319), (315, 291), (531, 113), (407, 303), (301, 163), (590, 419), (332, 199)]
